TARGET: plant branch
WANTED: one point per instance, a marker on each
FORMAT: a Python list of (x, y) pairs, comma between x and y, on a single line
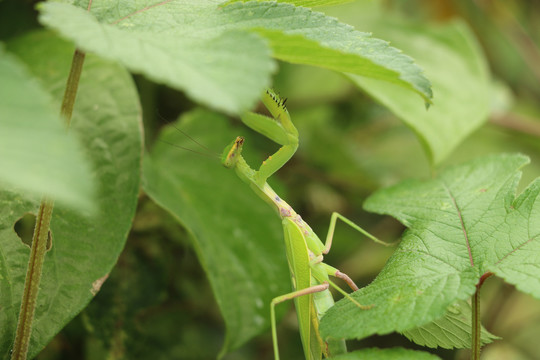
[(518, 123), (476, 326), (41, 231), (72, 86)]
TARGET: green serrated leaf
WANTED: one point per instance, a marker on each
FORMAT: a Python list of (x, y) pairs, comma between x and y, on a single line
[(84, 248), (237, 237), (216, 53), (37, 155), (226, 70), (386, 354), (303, 36), (462, 225), (455, 65), (451, 331)]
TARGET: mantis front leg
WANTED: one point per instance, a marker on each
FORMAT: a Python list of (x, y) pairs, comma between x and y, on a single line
[(279, 129)]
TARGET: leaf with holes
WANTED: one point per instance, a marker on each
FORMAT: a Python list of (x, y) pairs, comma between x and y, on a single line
[(462, 226)]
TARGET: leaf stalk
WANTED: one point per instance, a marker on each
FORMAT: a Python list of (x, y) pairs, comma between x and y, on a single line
[(476, 323)]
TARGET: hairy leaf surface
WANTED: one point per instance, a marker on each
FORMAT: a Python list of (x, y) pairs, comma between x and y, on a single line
[(222, 55), (465, 224), (306, 3), (451, 331)]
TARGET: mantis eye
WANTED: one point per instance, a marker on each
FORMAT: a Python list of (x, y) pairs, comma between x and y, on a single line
[(232, 152)]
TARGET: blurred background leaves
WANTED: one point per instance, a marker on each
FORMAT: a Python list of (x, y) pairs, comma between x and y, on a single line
[(157, 302)]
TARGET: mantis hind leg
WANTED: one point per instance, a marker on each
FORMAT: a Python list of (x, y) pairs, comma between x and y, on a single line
[(322, 271), (290, 296)]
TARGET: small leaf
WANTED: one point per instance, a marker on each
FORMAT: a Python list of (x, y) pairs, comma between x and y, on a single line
[(462, 225), (84, 248), (237, 236), (386, 354), (451, 331), (37, 155)]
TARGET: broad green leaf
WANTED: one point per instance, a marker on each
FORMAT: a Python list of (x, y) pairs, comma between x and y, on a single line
[(216, 53), (386, 354), (463, 225), (84, 248), (455, 65), (223, 69), (237, 236), (37, 155), (451, 331)]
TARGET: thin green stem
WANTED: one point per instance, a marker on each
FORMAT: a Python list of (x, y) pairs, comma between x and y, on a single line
[(41, 231), (33, 277)]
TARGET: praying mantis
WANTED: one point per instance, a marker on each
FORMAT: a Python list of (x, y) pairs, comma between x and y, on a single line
[(304, 250)]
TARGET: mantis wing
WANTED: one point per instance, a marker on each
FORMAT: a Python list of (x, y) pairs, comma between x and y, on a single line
[(298, 259)]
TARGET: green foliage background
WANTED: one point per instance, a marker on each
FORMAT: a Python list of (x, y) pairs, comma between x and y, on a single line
[(157, 302)]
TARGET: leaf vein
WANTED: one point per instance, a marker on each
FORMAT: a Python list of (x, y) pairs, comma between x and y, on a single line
[(514, 250), (461, 221)]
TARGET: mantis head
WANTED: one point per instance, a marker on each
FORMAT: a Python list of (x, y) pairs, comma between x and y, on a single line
[(232, 153)]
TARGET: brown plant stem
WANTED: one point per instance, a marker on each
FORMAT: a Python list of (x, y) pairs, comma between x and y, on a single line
[(476, 323)]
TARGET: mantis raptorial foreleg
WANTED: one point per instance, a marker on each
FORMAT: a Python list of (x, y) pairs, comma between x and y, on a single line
[(309, 274)]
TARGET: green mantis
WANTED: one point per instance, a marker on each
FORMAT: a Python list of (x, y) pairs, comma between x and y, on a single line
[(305, 251)]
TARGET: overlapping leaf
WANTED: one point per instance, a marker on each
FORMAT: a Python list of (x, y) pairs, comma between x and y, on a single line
[(464, 224), (221, 55), (84, 248), (36, 153), (455, 65)]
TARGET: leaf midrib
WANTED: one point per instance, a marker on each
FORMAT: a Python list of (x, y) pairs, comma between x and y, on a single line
[(465, 234)]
